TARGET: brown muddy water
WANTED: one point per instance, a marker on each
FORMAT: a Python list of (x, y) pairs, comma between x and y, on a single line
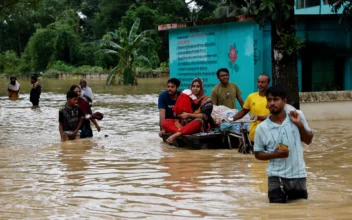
[(132, 174)]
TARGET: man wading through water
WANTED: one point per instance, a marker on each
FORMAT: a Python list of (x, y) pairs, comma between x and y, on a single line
[(279, 139)]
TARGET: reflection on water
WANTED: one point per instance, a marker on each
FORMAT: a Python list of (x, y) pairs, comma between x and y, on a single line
[(125, 171)]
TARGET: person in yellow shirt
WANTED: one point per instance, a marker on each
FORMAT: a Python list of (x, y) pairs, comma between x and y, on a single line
[(256, 103)]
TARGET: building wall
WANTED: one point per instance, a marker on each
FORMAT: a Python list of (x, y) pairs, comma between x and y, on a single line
[(322, 9), (323, 64), (323, 105), (200, 51)]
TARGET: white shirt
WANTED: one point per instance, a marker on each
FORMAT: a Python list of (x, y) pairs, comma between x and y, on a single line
[(87, 92)]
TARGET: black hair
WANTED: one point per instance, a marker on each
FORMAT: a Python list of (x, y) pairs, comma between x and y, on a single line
[(222, 70), (174, 81), (73, 87), (71, 94), (276, 90), (13, 78), (35, 78), (264, 74)]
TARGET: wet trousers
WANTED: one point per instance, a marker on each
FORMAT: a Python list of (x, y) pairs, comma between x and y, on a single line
[(169, 125)]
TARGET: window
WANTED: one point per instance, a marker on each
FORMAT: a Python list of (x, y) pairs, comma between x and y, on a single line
[(308, 3)]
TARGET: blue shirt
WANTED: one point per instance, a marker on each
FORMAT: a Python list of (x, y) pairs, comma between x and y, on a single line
[(165, 102), (269, 135)]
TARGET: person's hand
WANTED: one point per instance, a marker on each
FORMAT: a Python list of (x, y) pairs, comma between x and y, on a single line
[(161, 133), (185, 115), (74, 133), (98, 127), (279, 153), (295, 118), (254, 117)]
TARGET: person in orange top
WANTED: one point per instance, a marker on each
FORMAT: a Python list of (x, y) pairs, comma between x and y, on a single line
[(256, 103)]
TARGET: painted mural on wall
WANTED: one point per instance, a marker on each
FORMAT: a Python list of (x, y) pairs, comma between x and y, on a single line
[(200, 51), (233, 57)]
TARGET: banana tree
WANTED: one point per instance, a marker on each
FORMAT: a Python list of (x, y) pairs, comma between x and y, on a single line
[(126, 47)]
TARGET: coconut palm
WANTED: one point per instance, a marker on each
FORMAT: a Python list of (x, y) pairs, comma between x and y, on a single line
[(126, 47)]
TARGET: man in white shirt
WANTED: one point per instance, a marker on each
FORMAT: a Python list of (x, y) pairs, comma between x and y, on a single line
[(86, 92)]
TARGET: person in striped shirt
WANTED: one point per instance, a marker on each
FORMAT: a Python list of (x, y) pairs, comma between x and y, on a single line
[(286, 169)]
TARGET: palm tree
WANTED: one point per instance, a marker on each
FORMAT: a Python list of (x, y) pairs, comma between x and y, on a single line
[(126, 47)]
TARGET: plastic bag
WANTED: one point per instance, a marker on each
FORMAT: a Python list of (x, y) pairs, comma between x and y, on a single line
[(222, 112), (225, 126)]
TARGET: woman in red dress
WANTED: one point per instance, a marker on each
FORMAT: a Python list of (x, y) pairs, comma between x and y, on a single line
[(197, 121)]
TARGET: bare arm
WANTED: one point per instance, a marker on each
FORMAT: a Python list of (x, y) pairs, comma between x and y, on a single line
[(161, 117), (268, 156), (189, 115), (79, 125), (95, 123), (261, 118), (61, 129), (306, 136), (240, 114), (240, 100)]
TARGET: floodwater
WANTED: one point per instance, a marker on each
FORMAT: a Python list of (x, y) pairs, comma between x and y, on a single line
[(127, 172)]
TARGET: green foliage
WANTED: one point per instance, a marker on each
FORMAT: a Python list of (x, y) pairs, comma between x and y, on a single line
[(165, 64), (41, 48), (291, 43), (262, 10), (128, 76), (148, 73), (89, 69), (10, 62), (51, 74), (346, 15), (127, 48), (110, 12), (147, 16), (230, 8), (66, 44), (44, 32), (61, 66), (87, 56)]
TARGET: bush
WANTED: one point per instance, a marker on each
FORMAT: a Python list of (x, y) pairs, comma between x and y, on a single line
[(165, 64), (62, 66), (147, 73), (89, 69), (10, 63), (51, 73)]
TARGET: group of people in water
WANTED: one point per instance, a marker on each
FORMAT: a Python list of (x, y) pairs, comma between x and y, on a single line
[(277, 130), (13, 89), (75, 117)]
